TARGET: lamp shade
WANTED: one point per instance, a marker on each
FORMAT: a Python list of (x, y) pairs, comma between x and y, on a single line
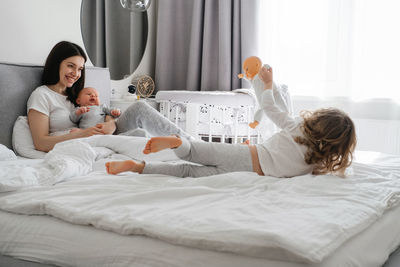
[(136, 5)]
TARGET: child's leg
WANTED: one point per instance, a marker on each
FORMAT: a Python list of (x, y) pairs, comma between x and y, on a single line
[(180, 169), (225, 157), (136, 132)]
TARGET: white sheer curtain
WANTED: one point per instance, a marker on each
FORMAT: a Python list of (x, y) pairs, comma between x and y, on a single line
[(344, 53)]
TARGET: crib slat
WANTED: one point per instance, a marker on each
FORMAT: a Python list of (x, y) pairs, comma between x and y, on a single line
[(223, 125), (192, 119), (248, 120), (169, 110), (177, 109), (210, 113), (236, 125)]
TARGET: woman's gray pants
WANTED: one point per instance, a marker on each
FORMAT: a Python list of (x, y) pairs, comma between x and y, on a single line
[(214, 158), (140, 119)]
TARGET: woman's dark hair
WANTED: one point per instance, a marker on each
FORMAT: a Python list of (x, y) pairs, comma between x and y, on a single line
[(51, 72)]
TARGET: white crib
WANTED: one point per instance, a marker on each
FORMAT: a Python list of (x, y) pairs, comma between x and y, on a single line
[(215, 116)]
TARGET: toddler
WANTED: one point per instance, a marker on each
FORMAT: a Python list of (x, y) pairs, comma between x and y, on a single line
[(90, 112), (318, 142)]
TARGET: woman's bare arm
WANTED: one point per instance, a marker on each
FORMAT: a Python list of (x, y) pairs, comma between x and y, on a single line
[(39, 125)]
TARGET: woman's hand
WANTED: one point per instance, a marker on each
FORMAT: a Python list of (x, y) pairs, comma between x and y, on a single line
[(107, 127), (74, 130), (87, 132), (266, 76)]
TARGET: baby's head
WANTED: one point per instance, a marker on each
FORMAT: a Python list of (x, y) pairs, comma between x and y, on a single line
[(251, 66), (88, 96), (331, 139)]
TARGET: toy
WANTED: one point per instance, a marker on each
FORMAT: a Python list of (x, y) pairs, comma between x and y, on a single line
[(251, 67)]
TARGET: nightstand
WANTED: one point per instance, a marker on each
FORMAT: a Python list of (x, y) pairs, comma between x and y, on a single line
[(123, 104)]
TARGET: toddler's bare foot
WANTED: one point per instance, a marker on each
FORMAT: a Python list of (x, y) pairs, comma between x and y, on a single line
[(115, 167), (156, 144), (247, 142)]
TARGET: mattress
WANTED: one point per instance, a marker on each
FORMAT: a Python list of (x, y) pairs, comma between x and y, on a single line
[(155, 220), (49, 240)]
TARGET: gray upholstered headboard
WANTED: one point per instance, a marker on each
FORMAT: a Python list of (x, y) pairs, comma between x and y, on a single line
[(17, 81)]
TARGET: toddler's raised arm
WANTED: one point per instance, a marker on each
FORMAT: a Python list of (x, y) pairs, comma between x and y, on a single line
[(281, 118), (266, 76)]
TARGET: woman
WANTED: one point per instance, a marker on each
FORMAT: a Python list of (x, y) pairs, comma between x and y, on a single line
[(49, 105)]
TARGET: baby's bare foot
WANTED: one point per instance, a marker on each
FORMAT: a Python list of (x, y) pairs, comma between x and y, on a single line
[(156, 144), (115, 167)]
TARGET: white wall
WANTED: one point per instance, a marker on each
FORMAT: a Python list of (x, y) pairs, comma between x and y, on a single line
[(377, 122), (29, 29)]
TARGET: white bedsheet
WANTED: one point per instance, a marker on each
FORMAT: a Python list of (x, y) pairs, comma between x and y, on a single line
[(72, 159), (65, 244), (64, 161), (305, 218)]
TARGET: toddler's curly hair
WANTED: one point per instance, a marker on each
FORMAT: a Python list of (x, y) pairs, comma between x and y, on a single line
[(330, 136)]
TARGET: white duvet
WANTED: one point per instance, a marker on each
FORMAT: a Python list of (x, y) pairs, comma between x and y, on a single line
[(303, 219)]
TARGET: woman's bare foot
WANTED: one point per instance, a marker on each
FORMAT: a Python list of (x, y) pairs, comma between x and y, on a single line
[(156, 144), (115, 167)]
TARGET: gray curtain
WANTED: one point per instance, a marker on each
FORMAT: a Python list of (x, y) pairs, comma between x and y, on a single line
[(201, 44), (113, 36)]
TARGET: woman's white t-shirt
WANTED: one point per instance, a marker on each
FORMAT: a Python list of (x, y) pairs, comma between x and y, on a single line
[(53, 105)]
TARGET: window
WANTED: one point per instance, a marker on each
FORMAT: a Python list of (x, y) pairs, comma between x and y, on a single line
[(333, 48)]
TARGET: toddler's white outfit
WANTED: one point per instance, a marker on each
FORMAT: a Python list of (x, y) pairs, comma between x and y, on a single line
[(279, 156)]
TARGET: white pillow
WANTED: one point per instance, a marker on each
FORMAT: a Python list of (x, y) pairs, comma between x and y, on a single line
[(6, 154), (22, 140)]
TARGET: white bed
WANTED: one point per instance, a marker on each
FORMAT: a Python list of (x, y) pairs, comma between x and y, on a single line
[(67, 244), (155, 220), (80, 216)]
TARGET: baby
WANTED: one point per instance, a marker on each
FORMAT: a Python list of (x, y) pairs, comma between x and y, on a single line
[(90, 112)]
